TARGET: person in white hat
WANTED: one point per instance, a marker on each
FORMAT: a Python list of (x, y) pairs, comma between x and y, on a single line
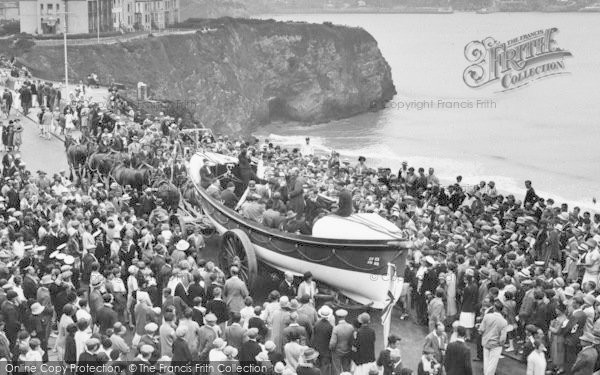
[(321, 338)]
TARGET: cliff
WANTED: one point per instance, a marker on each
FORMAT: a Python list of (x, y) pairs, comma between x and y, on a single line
[(239, 73)]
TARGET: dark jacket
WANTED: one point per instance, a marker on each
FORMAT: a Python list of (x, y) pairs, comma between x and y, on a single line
[(365, 345), (287, 290), (70, 350), (181, 352), (249, 351), (219, 308), (29, 288), (574, 328), (258, 323), (106, 317), (321, 337), (458, 359)]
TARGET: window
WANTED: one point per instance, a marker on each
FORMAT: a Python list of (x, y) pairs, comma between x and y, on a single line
[(57, 7), (50, 6), (42, 7)]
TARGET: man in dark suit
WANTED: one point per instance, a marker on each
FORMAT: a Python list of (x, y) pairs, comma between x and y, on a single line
[(287, 287), (106, 316), (573, 331), (458, 355), (12, 316), (30, 284), (250, 348), (321, 337), (586, 359)]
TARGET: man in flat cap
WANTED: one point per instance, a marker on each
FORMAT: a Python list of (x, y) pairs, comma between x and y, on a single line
[(341, 343)]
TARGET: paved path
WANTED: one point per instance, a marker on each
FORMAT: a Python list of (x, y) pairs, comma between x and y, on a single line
[(39, 153)]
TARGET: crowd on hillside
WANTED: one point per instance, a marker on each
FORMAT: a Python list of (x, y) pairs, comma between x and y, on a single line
[(117, 282)]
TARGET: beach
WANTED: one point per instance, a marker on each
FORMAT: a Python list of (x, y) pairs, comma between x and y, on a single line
[(545, 131)]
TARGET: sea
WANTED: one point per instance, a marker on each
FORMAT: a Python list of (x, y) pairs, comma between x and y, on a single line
[(547, 131)]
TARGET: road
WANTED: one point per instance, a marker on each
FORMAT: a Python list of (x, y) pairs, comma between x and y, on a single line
[(39, 153)]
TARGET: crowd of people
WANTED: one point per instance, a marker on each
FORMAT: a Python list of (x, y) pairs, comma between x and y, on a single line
[(518, 276), (116, 282)]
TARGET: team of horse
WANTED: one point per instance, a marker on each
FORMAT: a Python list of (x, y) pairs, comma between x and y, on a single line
[(87, 159)]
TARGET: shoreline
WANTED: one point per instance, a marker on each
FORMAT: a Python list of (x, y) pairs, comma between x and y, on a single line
[(292, 141)]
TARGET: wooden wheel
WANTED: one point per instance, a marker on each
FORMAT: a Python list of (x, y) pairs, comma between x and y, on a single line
[(236, 249)]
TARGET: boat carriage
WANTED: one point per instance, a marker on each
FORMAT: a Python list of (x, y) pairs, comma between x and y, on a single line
[(361, 257)]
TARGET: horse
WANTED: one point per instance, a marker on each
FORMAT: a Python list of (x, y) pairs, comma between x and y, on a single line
[(102, 163), (77, 155), (137, 178)]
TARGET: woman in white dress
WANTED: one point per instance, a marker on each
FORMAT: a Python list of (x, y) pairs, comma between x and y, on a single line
[(308, 287), (451, 307)]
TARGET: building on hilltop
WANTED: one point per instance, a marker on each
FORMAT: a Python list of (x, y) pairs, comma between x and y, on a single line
[(49, 16), (100, 14), (9, 10), (45, 17), (123, 13), (155, 14)]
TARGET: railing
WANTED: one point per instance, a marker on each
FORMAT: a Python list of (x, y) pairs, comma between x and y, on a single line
[(112, 39)]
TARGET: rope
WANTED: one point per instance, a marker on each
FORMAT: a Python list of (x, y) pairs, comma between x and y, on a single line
[(272, 244), (374, 226)]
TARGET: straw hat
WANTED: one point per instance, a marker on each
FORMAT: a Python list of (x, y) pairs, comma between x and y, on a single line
[(69, 259), (182, 245), (37, 308), (325, 311)]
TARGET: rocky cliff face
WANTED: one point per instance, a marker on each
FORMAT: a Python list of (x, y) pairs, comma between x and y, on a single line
[(237, 74)]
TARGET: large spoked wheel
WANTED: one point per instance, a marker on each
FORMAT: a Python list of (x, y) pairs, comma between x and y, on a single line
[(236, 249)]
